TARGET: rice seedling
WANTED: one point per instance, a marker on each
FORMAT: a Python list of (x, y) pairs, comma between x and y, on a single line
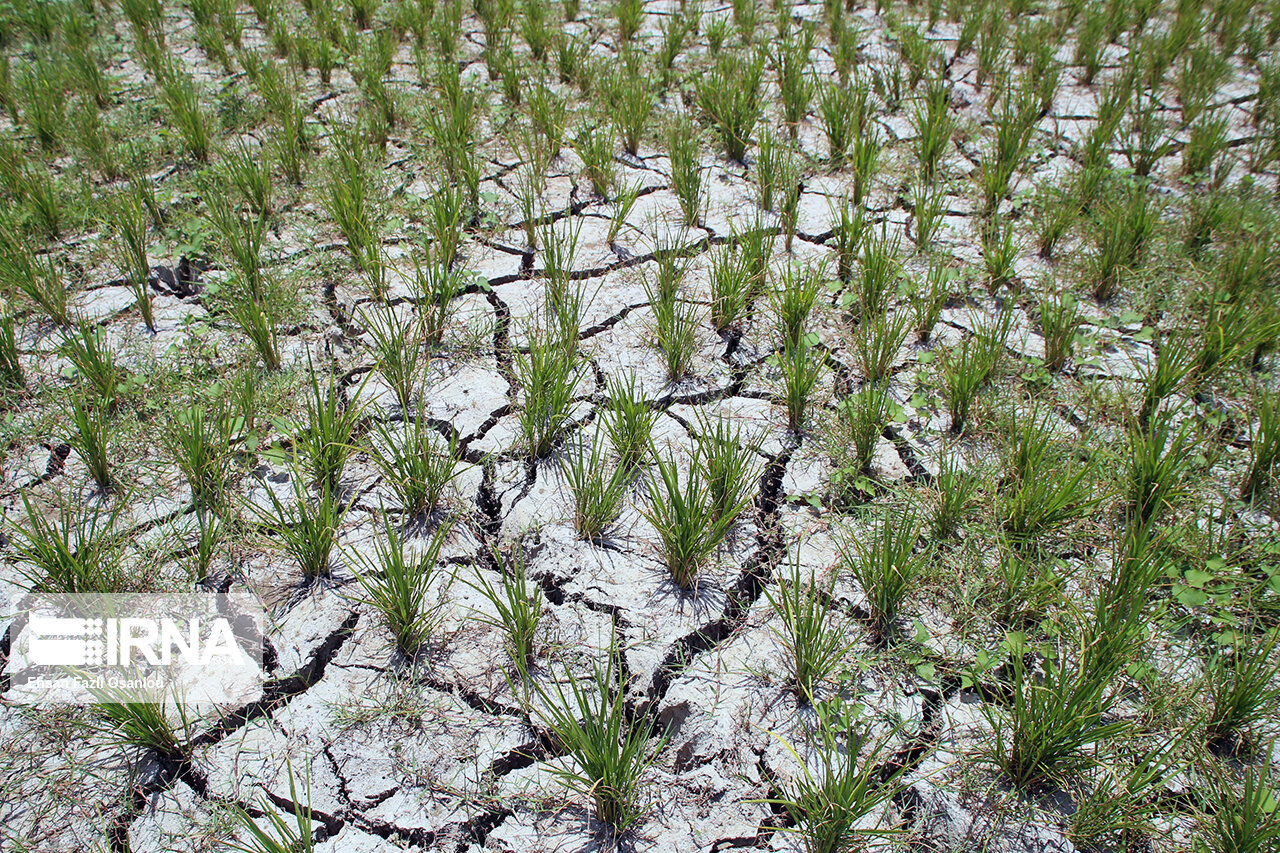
[(629, 422), (624, 202), (1000, 252), (675, 319), (733, 293), (200, 439), (1205, 144), (44, 196), (162, 725), (598, 493), (325, 433), (730, 96), (801, 365), (129, 222), (630, 14), (675, 30), (351, 199), (632, 101), (864, 160), (886, 565), (686, 171), (95, 363), (1264, 448), (73, 551), (89, 438), (12, 376), (1029, 585), (860, 421), (44, 102), (608, 750), (517, 608), (928, 298), (794, 297), (256, 319), (955, 487), (1060, 320), (535, 27), (1159, 459), (829, 805), (1242, 818), (399, 586), (845, 36), (182, 100), (927, 209), (36, 278), (878, 278), (248, 172), (303, 527), (795, 85), (1243, 687), (594, 144), (398, 345), (814, 637), (242, 237), (418, 463), (1046, 488), (1174, 361), (877, 342), (964, 369), (286, 831), (1150, 134), (548, 373), (685, 520), (728, 464), (848, 226), (840, 113), (1050, 720)]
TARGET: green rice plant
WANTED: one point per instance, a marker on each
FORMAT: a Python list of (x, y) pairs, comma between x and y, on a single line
[(1089, 44), (675, 319), (769, 168), (1264, 448), (242, 237), (1243, 818), (129, 223), (801, 365), (89, 438), (418, 463), (624, 201), (286, 831), (351, 199), (182, 101), (535, 27), (859, 423), (632, 101), (1227, 333), (44, 196), (1046, 489), (729, 466), (398, 585), (1056, 211), (877, 341), (1243, 686), (955, 488), (44, 102), (548, 373), (248, 172), (794, 297), (303, 527), (733, 291), (95, 363), (928, 298), (1207, 141), (608, 751), (212, 528), (878, 277), (36, 278), (1060, 320), (1123, 232), (746, 18), (434, 288), (1121, 802), (1049, 721), (594, 144), (730, 96), (795, 84), (845, 35), (398, 345), (162, 725), (629, 422), (1159, 459), (684, 518), (630, 14), (887, 566), (1174, 361), (146, 18), (200, 439), (828, 806), (840, 110), (325, 433), (598, 494), (517, 608), (848, 225), (571, 55), (256, 319), (1150, 134), (73, 551), (1028, 586), (964, 369), (11, 373), (814, 637), (1000, 252), (675, 30), (686, 171), (864, 160), (927, 208)]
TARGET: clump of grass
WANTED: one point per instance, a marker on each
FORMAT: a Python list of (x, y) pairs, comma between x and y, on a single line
[(1046, 488), (199, 439), (686, 172), (877, 281), (287, 831), (398, 345), (730, 96), (90, 439), (95, 363), (1050, 720), (927, 299), (816, 640), (351, 199), (548, 373), (256, 319), (1243, 685), (1124, 230), (1159, 458), (829, 804), (954, 488), (728, 465), (598, 493), (1060, 319), (887, 566), (517, 608), (418, 463), (933, 125), (801, 364), (848, 226), (1242, 818), (36, 278), (1174, 362), (859, 423), (840, 111), (1264, 448), (12, 376), (685, 519), (182, 100), (162, 725), (675, 319), (74, 551), (877, 342), (594, 144), (733, 288), (610, 750), (305, 528), (632, 101), (629, 422), (129, 221), (326, 432), (398, 586), (927, 208)]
